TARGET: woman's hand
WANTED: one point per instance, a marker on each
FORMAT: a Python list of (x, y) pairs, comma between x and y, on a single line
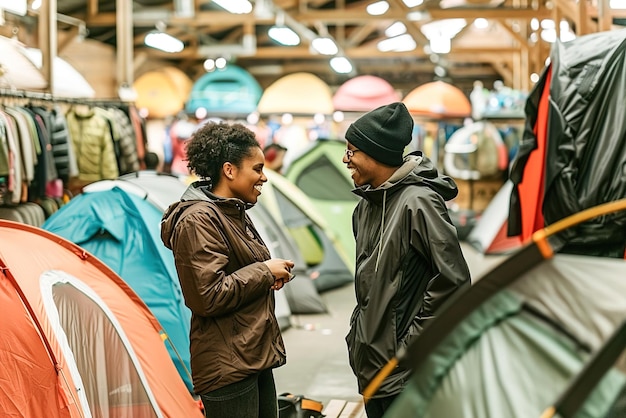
[(281, 271)]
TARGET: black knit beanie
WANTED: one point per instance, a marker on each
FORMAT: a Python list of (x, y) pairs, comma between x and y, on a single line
[(383, 133)]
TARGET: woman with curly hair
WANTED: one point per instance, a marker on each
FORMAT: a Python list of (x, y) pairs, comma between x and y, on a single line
[(227, 275)]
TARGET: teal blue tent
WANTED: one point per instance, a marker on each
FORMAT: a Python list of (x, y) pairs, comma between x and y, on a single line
[(117, 227), (231, 91)]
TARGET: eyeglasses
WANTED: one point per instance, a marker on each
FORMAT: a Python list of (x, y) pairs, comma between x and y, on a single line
[(350, 153)]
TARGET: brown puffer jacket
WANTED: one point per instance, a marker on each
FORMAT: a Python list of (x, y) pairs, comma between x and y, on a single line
[(219, 258)]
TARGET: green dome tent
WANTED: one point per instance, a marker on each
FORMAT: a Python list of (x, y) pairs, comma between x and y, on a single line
[(320, 173), (329, 265)]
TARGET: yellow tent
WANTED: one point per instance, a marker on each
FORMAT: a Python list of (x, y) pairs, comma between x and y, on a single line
[(162, 92)]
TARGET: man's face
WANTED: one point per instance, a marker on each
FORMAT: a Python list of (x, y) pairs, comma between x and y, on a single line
[(363, 168)]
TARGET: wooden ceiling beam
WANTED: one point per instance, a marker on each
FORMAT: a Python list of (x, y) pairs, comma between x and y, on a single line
[(488, 13)]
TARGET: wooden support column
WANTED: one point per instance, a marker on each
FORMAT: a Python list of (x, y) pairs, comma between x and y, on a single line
[(605, 19), (523, 62), (124, 36), (48, 40), (582, 26)]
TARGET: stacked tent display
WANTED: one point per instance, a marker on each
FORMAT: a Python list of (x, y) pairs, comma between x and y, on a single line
[(77, 341)]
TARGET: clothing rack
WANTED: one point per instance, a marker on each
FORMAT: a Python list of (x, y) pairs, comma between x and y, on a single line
[(48, 97)]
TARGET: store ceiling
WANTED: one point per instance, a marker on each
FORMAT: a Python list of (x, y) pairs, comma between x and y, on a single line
[(208, 31)]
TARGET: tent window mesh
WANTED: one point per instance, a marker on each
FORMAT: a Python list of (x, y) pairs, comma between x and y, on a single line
[(112, 384), (322, 180)]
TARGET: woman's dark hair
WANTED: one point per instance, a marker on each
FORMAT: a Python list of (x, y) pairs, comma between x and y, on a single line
[(214, 144)]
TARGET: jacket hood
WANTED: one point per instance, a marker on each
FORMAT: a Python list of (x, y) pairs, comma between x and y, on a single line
[(416, 169), (198, 191)]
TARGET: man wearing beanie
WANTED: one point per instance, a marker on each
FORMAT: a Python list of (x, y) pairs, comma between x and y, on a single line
[(408, 257)]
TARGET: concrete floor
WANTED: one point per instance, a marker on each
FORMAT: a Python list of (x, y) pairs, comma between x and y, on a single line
[(317, 360)]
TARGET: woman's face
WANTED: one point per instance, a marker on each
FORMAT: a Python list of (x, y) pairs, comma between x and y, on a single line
[(248, 178)]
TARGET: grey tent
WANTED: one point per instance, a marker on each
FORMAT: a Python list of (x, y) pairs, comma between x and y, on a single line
[(509, 345), (301, 295), (514, 354), (595, 386)]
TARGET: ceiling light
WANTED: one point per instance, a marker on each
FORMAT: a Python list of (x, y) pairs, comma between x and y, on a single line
[(163, 41), (440, 44), (378, 8), (617, 4), (341, 65), (220, 63), (235, 6), (209, 65), (447, 28), (402, 43), (440, 71), (398, 28), (17, 7), (481, 23), (412, 3), (325, 46), (284, 35), (418, 16), (534, 23)]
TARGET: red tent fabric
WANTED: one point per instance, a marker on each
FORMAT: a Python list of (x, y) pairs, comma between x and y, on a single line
[(531, 188)]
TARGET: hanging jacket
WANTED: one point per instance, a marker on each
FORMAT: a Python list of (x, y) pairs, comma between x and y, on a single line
[(93, 145), (219, 259), (408, 263)]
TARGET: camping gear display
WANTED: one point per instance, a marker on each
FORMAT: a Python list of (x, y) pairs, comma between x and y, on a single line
[(573, 145), (475, 151), (122, 230), (321, 174), (86, 346), (546, 314), (329, 266), (302, 297)]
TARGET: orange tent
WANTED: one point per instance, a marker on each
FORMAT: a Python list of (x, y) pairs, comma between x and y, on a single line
[(438, 100), (162, 92), (77, 341)]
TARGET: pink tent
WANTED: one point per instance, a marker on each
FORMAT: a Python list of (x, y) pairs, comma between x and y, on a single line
[(364, 93)]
